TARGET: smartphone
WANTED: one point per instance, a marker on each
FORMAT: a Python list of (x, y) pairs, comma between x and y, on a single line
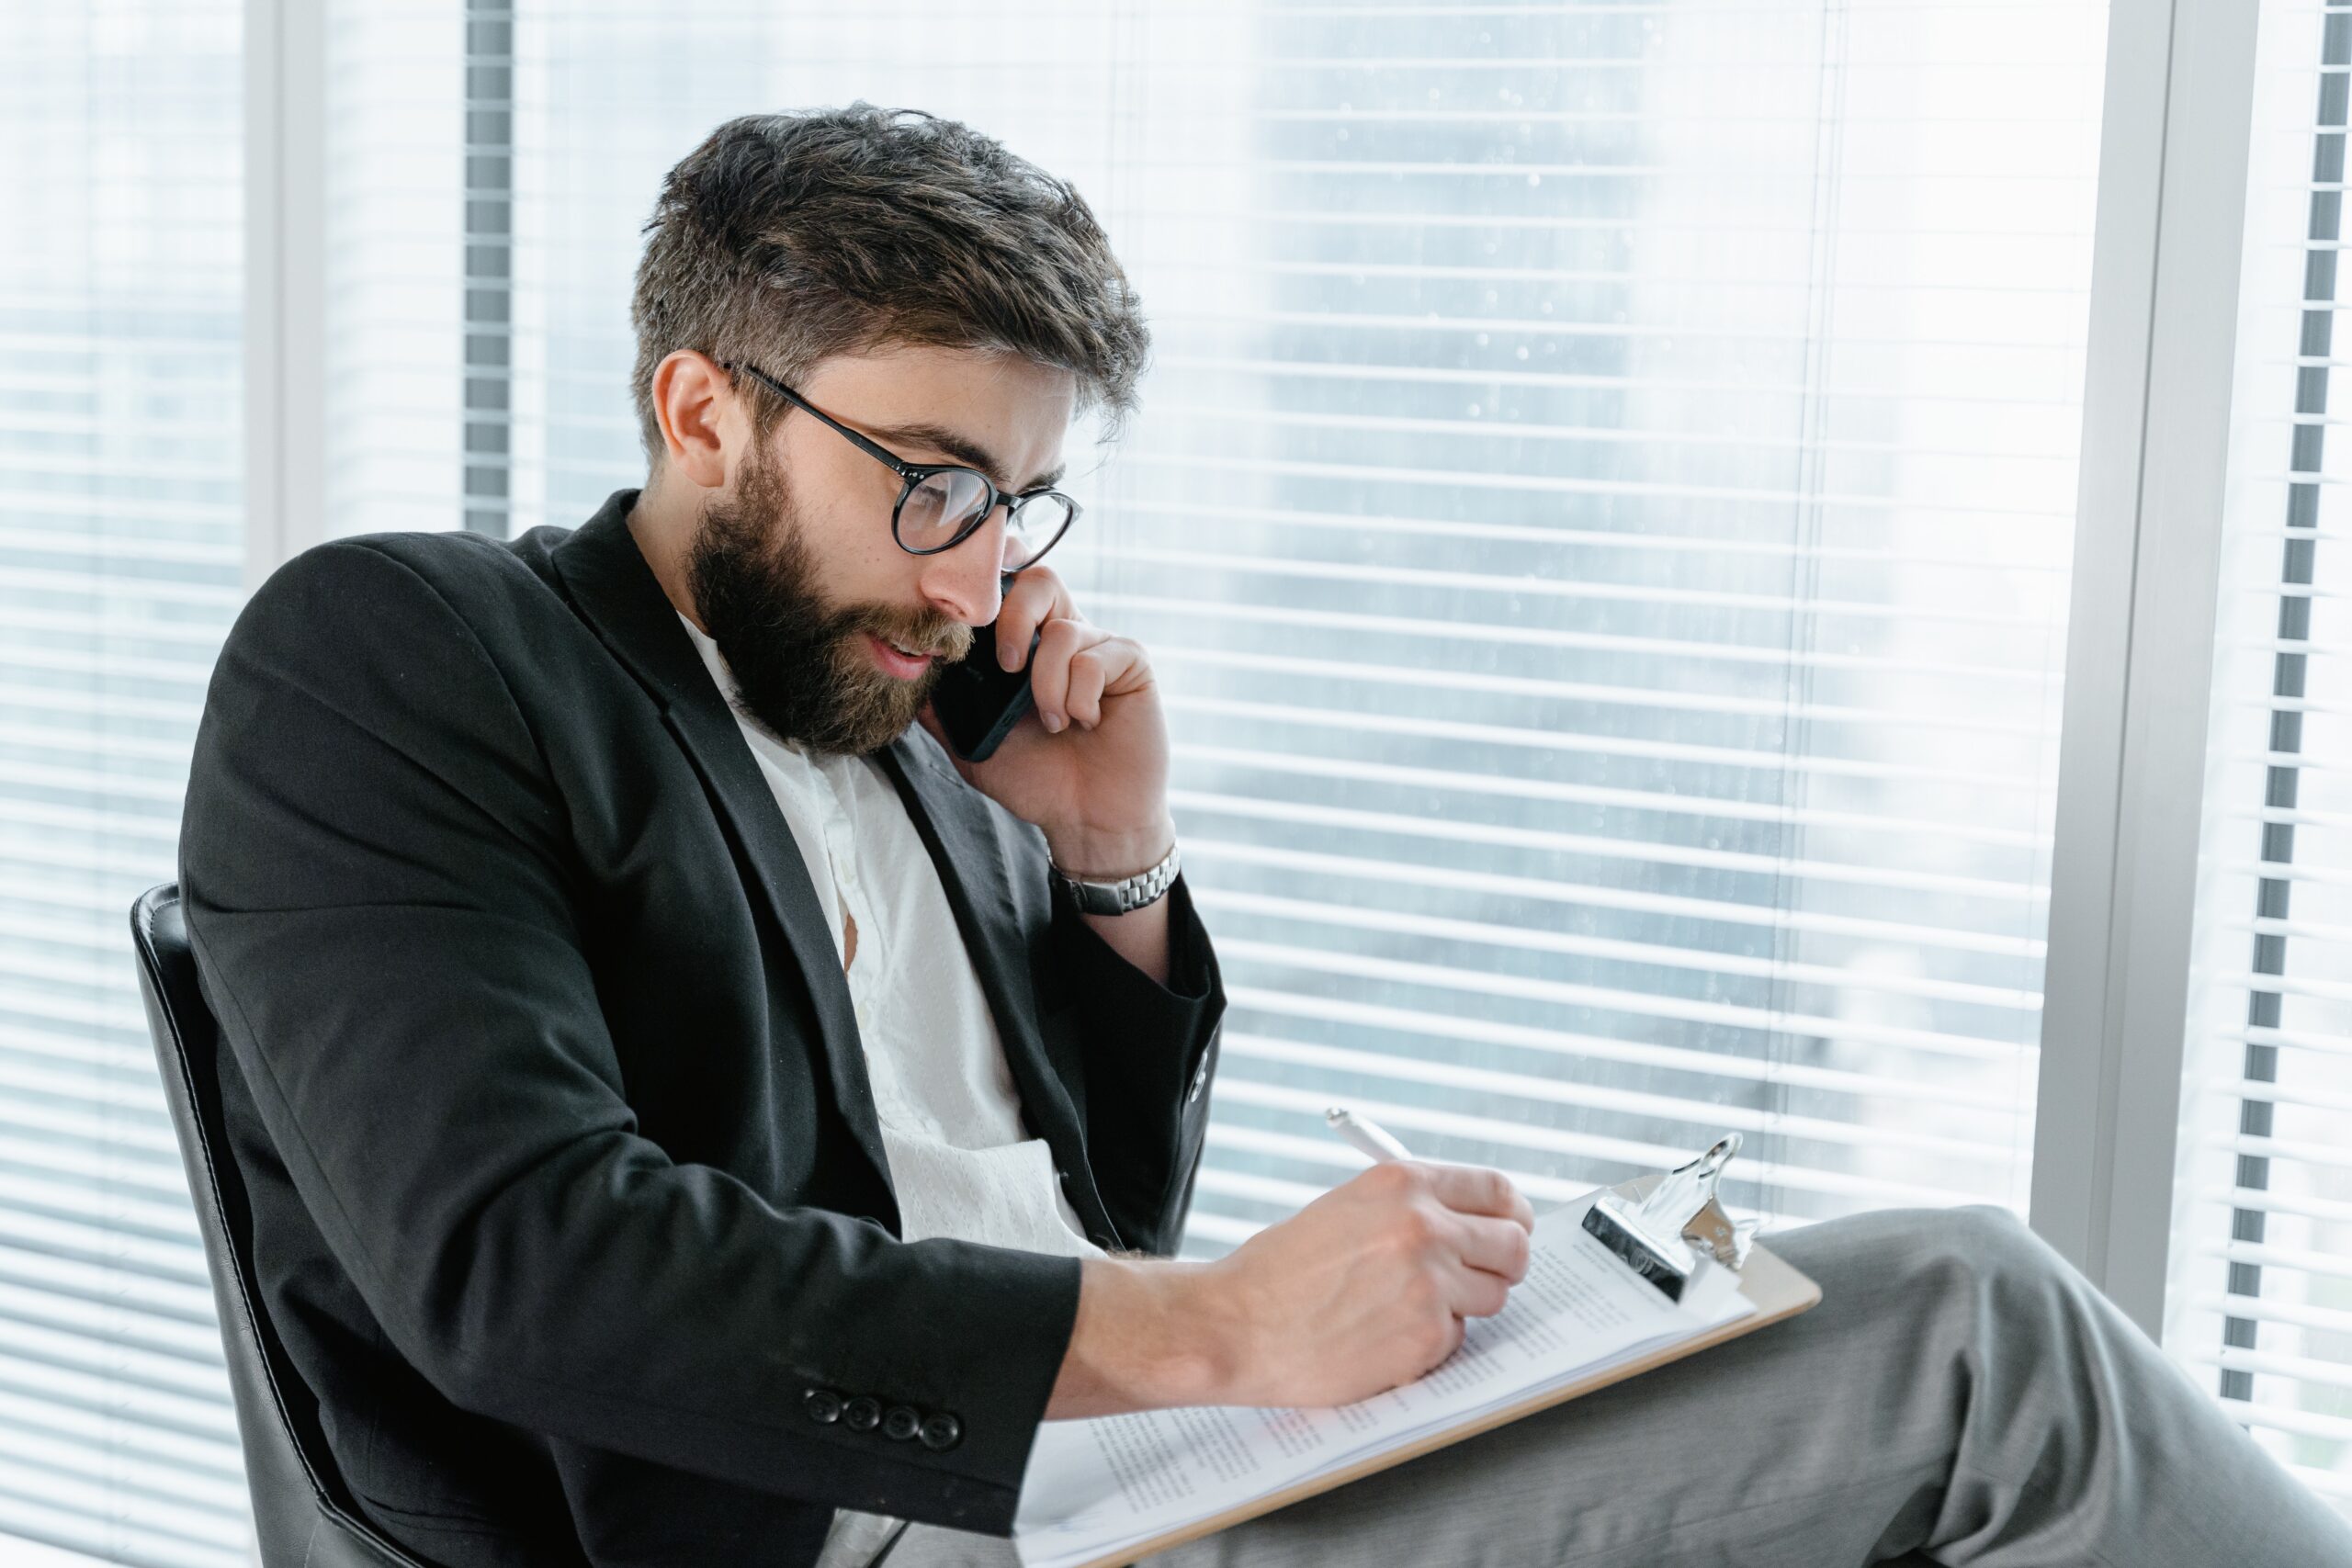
[(978, 700)]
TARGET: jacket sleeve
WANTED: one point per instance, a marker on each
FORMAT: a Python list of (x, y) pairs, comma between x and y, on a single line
[(380, 889), (1151, 1053)]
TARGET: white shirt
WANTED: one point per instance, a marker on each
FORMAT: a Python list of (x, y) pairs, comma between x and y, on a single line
[(962, 1163)]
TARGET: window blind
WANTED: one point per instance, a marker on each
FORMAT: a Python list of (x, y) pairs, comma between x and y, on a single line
[(1601, 513), (1614, 604), (121, 561), (2261, 1287)]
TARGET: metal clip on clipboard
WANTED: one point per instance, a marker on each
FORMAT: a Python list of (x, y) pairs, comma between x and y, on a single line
[(1677, 1235)]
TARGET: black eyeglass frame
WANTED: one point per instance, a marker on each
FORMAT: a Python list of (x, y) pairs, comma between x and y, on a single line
[(912, 474)]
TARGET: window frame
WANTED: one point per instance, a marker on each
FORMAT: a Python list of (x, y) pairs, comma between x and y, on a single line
[(2161, 358), (286, 293)]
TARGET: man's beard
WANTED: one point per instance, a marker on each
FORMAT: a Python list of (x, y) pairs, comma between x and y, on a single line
[(802, 666)]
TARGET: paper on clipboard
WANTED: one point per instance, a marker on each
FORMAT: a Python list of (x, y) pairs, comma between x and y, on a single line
[(1095, 1487)]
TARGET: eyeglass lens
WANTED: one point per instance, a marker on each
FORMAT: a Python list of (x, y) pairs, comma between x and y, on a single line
[(945, 501)]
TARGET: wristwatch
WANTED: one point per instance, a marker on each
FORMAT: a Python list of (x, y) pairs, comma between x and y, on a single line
[(1118, 897)]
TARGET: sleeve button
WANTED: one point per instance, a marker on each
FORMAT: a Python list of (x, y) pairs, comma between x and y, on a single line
[(822, 1405), (862, 1414), (901, 1422), (942, 1431)]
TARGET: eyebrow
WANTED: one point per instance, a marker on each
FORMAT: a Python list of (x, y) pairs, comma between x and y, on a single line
[(962, 449)]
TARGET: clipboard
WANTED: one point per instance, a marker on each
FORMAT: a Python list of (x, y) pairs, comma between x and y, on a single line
[(1773, 1287)]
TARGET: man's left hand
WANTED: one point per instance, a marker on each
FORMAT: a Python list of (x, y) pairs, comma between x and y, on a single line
[(1098, 784)]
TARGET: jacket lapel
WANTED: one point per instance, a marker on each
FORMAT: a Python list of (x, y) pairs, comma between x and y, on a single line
[(621, 599), (967, 847)]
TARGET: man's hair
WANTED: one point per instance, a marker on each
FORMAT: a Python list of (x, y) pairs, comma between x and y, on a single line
[(786, 238)]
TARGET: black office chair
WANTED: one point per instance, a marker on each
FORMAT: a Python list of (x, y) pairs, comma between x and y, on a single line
[(303, 1513)]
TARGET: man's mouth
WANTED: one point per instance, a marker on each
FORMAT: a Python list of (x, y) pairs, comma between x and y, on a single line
[(903, 662)]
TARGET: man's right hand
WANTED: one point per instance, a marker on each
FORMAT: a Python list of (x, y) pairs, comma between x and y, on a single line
[(1365, 1288)]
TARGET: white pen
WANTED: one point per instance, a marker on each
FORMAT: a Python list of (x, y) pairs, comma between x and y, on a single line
[(1365, 1133)]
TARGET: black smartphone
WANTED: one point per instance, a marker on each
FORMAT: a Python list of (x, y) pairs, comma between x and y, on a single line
[(978, 700)]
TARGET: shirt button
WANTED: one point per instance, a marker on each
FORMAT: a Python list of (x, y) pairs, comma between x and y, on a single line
[(862, 1414), (901, 1422), (822, 1405), (942, 1431)]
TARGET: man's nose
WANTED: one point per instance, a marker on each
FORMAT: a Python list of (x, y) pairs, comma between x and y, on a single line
[(964, 581)]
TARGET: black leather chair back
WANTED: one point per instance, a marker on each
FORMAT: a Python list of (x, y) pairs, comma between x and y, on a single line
[(304, 1515)]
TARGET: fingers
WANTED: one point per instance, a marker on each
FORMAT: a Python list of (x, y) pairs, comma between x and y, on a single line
[(1494, 1247), (1049, 672), (1089, 672), (1473, 1293), (1077, 666), (1472, 1241), (1478, 1190), (1037, 597)]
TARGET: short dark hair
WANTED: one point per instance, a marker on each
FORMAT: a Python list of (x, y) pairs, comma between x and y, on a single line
[(787, 238)]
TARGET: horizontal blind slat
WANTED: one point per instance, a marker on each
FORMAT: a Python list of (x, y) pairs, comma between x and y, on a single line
[(1528, 1088), (1662, 1058), (1190, 750), (1524, 738), (1765, 1020), (1369, 868), (1480, 934), (1486, 1131), (1725, 652)]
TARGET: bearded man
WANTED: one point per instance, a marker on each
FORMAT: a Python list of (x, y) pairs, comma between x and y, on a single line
[(690, 1117)]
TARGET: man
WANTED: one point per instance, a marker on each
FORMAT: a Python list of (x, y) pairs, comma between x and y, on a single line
[(692, 1118)]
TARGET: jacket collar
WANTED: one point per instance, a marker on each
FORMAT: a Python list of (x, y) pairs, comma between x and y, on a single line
[(617, 594), (961, 830)]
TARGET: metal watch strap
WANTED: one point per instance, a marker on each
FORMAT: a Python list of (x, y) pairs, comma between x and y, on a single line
[(1126, 894)]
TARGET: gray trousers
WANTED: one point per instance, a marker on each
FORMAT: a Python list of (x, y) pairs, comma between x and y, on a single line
[(1960, 1396)]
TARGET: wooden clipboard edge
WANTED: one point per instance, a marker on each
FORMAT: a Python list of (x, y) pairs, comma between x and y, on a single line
[(1772, 1284)]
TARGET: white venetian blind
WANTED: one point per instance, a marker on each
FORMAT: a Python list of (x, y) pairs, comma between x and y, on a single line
[(120, 561), (1603, 512), (2261, 1303), (1605, 515)]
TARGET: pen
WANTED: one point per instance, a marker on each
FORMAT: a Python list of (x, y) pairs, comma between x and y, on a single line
[(1365, 1133)]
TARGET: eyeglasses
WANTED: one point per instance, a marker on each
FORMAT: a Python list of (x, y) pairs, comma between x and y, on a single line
[(940, 505)]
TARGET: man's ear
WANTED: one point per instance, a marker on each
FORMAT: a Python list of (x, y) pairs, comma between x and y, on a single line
[(695, 403)]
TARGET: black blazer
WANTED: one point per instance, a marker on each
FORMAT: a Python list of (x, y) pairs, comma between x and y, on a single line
[(568, 1198)]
